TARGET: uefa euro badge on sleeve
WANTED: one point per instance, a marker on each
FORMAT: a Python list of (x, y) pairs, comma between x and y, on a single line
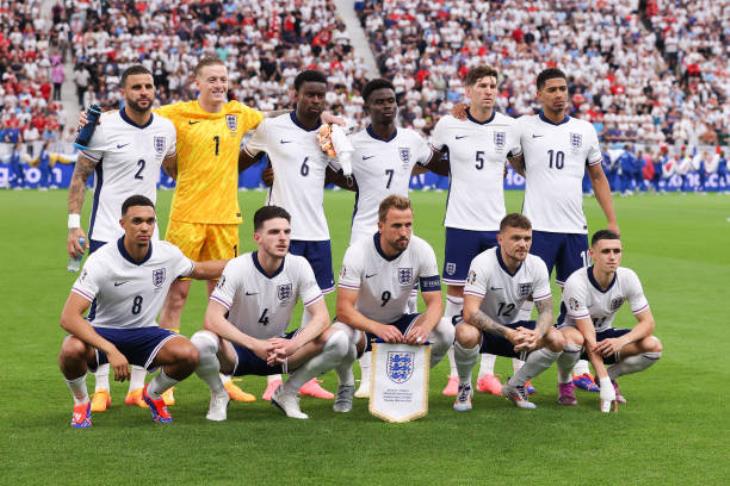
[(399, 381)]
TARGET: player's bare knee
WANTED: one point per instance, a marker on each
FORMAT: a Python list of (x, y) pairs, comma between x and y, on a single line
[(554, 341), (467, 335), (72, 349), (652, 344)]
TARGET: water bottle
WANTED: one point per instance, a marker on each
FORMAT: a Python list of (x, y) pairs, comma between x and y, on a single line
[(74, 263), (85, 134)]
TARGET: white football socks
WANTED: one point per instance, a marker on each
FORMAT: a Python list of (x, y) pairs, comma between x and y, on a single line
[(566, 362), (101, 377), (633, 364), (137, 375), (537, 362), (465, 358), (334, 351), (486, 366), (78, 389), (160, 384), (209, 366), (581, 368), (453, 314)]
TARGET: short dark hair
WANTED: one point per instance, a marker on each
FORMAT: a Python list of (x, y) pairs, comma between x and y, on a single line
[(205, 62), (479, 72), (549, 73), (515, 220), (375, 84), (309, 76), (266, 213), (133, 70), (604, 234), (394, 201), (136, 200)]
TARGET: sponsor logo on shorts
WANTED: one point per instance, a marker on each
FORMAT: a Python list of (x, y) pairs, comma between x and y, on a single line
[(400, 366)]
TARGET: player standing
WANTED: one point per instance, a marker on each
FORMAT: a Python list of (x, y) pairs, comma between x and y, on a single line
[(376, 280), (557, 150), (477, 148), (249, 312), (127, 282), (500, 280), (593, 296), (125, 154)]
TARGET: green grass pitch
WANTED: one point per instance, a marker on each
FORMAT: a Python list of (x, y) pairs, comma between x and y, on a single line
[(673, 430)]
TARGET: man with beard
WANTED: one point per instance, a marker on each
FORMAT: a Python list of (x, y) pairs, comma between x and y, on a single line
[(125, 154)]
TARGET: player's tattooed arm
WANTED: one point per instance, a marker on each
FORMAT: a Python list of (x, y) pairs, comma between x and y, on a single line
[(169, 165), (83, 169), (518, 163), (484, 323), (544, 316)]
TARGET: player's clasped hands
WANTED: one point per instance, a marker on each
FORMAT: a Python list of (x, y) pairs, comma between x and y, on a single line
[(609, 347), (416, 335), (281, 349), (389, 334), (525, 339)]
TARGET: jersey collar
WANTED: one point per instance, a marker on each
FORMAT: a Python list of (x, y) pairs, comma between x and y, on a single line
[(258, 266), (485, 122), (498, 250), (128, 257), (547, 120), (595, 283), (379, 249), (372, 133), (124, 116), (295, 120)]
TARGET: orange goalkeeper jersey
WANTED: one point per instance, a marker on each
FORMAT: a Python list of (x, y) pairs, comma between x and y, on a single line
[(207, 160)]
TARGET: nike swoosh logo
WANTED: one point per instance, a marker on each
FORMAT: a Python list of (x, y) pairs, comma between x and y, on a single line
[(282, 141), (537, 136), (371, 275), (117, 284), (367, 157), (122, 145), (459, 137), (495, 288), (193, 122), (251, 293)]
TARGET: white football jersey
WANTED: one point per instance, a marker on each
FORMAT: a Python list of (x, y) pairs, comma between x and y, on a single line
[(299, 171), (477, 154), (556, 156), (583, 297), (503, 292), (129, 294), (128, 158), (261, 305), (381, 168), (385, 284)]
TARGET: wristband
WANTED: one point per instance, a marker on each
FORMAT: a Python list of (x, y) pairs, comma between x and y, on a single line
[(74, 221)]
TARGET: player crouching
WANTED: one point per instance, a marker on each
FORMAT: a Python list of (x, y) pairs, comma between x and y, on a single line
[(499, 281), (125, 284), (249, 312), (593, 296)]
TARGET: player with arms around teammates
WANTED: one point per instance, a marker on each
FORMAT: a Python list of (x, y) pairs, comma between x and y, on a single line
[(593, 296), (499, 281), (125, 154), (300, 166), (376, 280), (249, 312), (476, 148), (127, 280), (557, 150)]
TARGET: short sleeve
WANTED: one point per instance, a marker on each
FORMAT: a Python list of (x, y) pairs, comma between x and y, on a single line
[(541, 287), (635, 293), (225, 290), (308, 288), (97, 145), (87, 284), (438, 137), (594, 148), (575, 299), (258, 141), (476, 280), (428, 272), (351, 271), (514, 146), (172, 145), (182, 265), (250, 118), (423, 151)]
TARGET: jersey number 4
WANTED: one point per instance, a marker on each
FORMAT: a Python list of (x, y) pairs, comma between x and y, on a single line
[(264, 319)]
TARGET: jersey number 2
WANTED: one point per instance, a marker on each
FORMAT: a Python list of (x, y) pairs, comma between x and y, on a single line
[(140, 164)]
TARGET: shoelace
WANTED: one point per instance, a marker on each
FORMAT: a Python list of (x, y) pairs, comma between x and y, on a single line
[(464, 393)]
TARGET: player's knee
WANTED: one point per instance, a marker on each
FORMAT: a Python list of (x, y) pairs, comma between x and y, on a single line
[(338, 344), (72, 349), (652, 344), (555, 341), (442, 336), (467, 335), (205, 342)]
